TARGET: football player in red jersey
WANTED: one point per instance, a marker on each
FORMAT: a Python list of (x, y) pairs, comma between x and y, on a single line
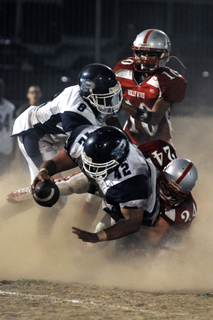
[(149, 87), (176, 179)]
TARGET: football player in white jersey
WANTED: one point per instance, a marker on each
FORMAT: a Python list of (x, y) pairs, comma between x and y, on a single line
[(125, 180), (42, 130)]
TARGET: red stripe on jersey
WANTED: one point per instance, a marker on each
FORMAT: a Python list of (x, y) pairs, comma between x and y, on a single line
[(184, 173), (147, 35)]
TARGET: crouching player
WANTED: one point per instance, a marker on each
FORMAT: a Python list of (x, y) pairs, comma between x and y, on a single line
[(176, 179)]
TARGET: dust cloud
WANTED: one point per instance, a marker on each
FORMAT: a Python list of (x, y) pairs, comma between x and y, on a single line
[(64, 258)]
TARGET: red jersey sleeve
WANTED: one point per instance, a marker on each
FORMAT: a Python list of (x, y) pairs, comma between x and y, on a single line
[(173, 85), (180, 217)]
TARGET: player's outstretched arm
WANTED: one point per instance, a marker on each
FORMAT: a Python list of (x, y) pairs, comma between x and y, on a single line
[(60, 162), (130, 224)]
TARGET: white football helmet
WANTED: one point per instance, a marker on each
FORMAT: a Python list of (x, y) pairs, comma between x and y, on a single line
[(151, 50), (176, 181)]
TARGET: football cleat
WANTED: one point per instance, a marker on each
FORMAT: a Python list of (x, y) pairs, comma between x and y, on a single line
[(75, 183), (20, 195)]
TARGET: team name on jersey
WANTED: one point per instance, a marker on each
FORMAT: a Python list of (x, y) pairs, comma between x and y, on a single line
[(134, 93)]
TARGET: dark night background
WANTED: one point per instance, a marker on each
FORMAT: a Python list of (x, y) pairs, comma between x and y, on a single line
[(45, 42)]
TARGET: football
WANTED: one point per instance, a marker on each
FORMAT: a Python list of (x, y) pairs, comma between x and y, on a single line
[(46, 193)]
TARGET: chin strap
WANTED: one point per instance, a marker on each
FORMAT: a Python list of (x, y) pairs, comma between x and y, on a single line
[(177, 60)]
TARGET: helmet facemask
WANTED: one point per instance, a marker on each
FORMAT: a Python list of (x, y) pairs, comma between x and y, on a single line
[(155, 46), (101, 88), (148, 59), (104, 150), (107, 103), (176, 181), (169, 192), (97, 171)]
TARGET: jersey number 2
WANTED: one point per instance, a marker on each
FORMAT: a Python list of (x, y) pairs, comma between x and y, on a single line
[(125, 171)]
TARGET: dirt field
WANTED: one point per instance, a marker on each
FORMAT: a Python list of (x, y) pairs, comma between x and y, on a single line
[(43, 300), (59, 279)]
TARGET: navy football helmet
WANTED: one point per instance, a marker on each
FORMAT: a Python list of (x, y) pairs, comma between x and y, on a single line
[(104, 150), (99, 85)]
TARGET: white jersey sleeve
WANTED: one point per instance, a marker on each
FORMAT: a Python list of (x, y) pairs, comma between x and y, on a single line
[(75, 143), (66, 111)]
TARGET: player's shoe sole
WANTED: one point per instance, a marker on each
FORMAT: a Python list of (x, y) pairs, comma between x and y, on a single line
[(19, 195), (75, 183)]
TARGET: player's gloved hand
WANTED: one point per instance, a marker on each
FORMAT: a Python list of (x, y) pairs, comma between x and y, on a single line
[(143, 115), (85, 236), (41, 176)]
